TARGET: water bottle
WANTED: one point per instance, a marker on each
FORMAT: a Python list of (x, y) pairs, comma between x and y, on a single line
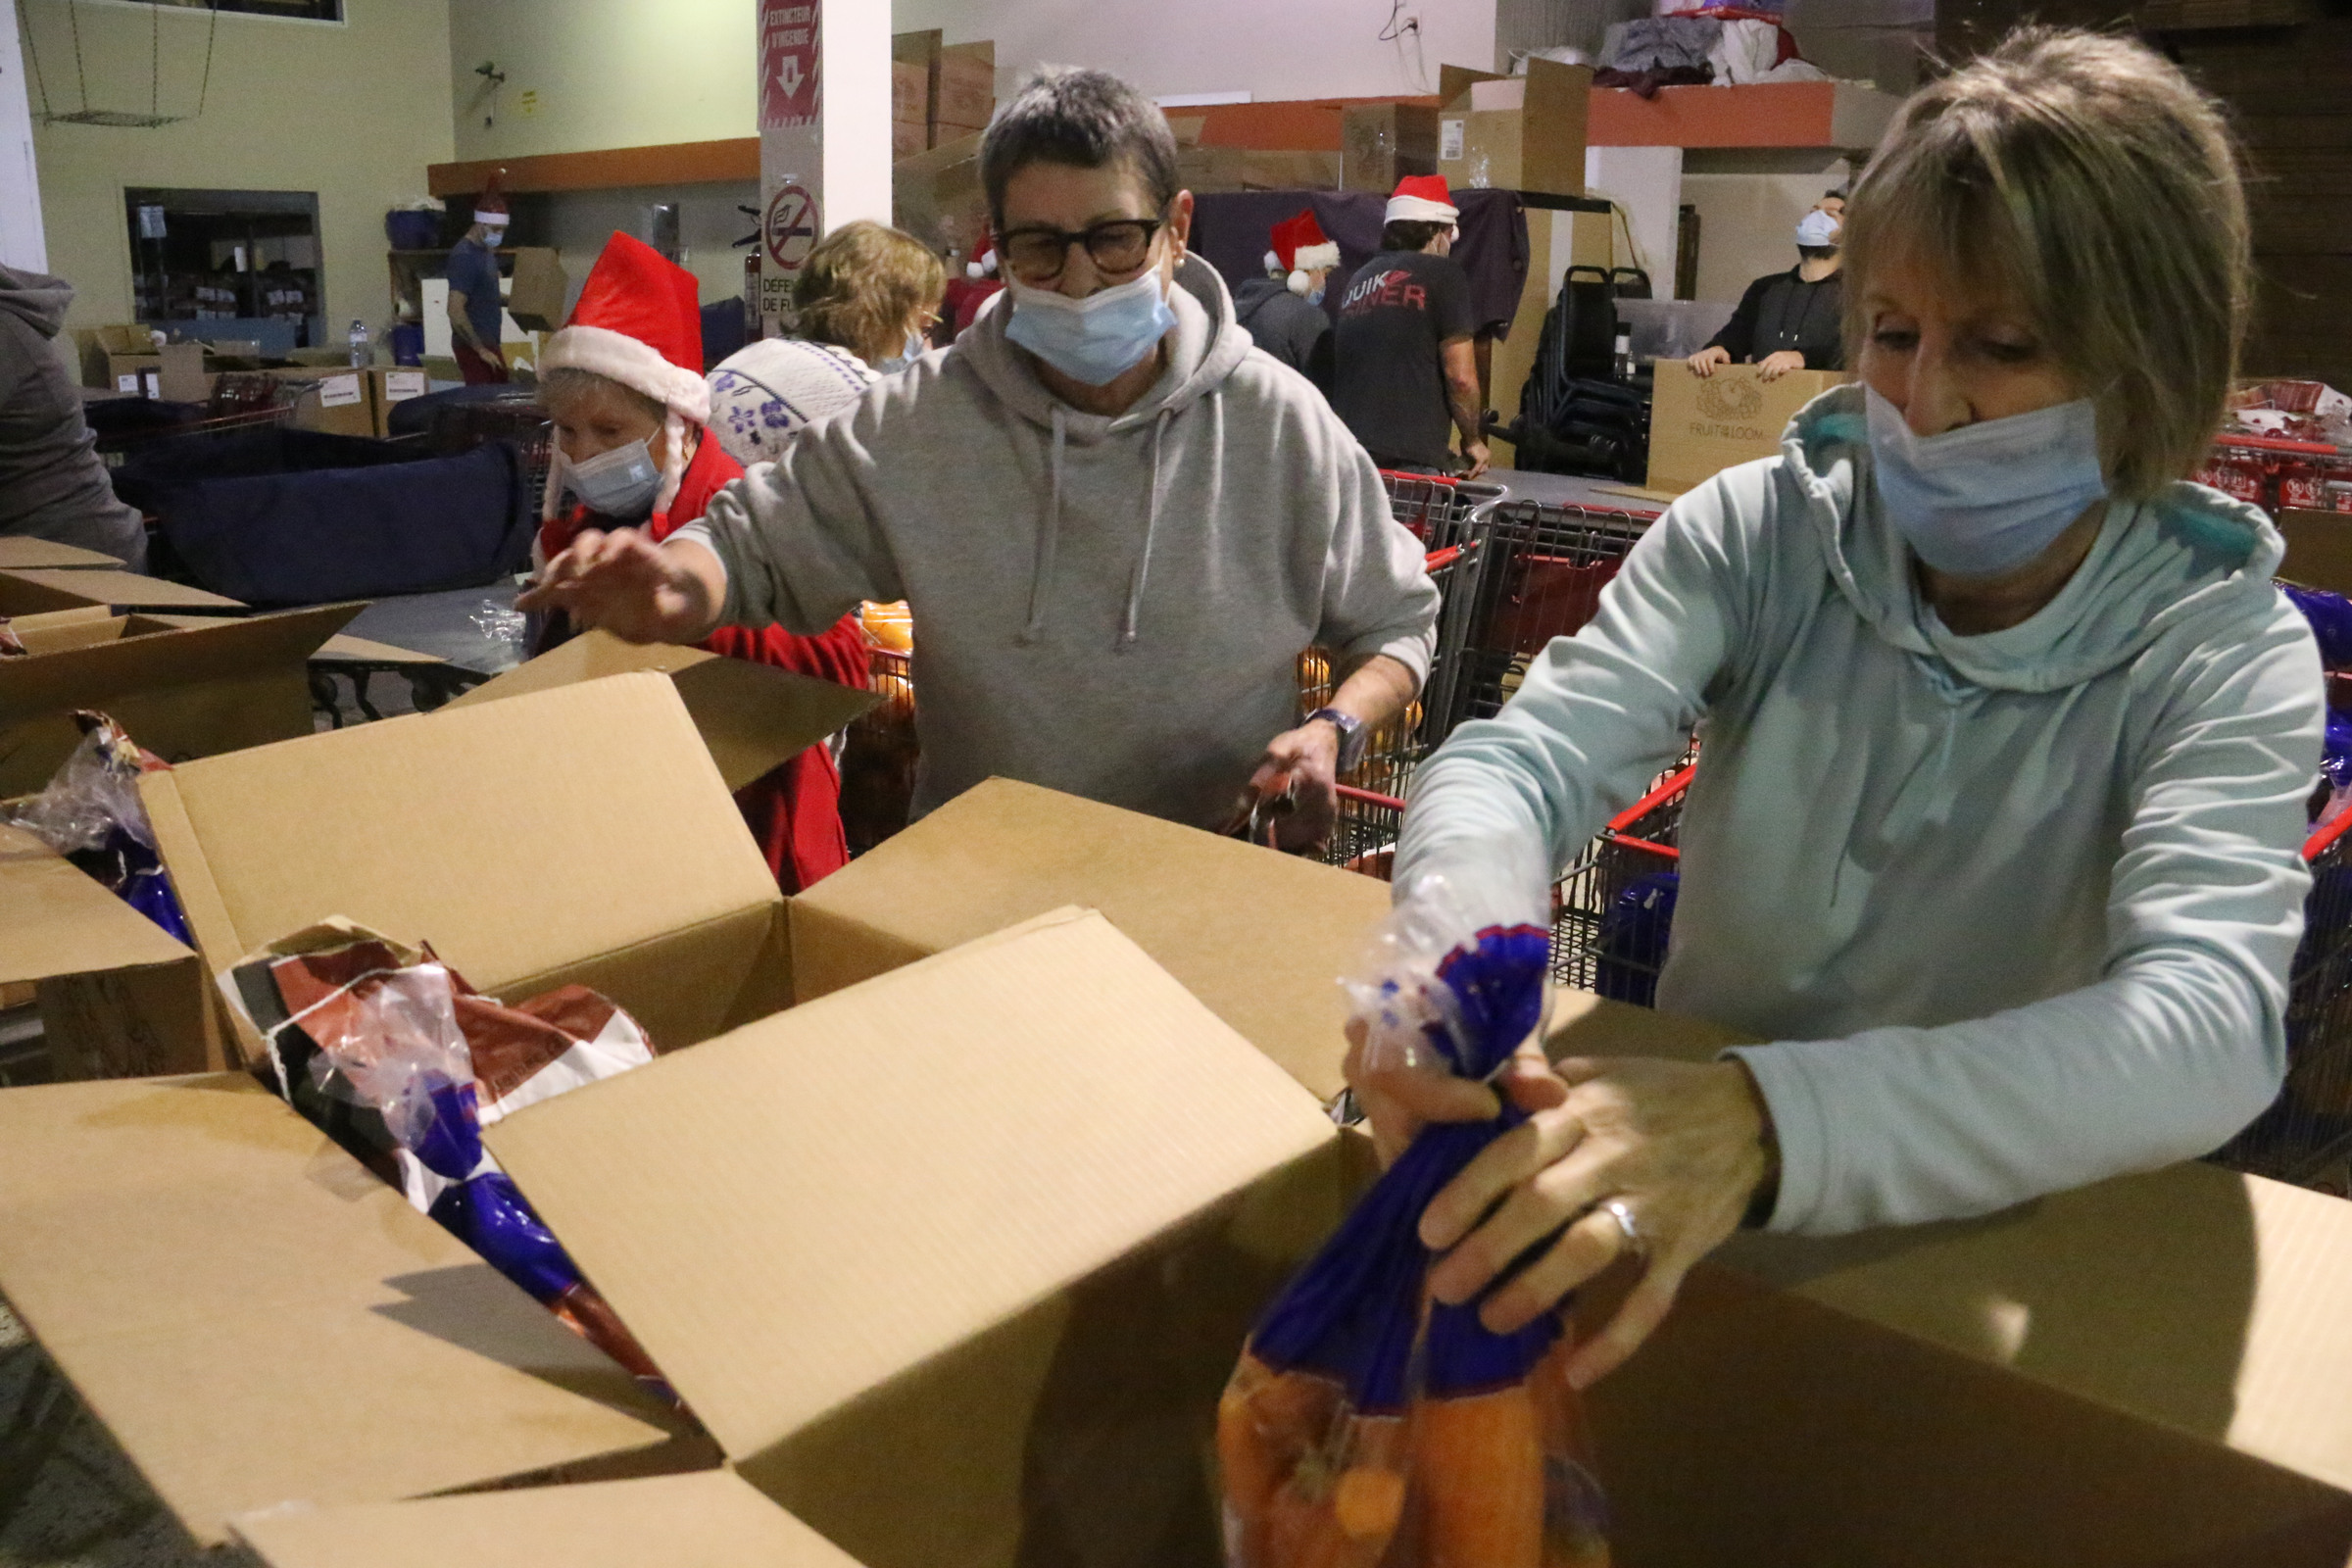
[(359, 353), (1625, 353)]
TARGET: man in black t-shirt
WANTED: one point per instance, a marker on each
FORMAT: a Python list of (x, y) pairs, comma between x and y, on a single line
[(1404, 367), (1792, 320)]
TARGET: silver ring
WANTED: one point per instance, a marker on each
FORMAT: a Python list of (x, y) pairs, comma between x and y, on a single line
[(1617, 1211)]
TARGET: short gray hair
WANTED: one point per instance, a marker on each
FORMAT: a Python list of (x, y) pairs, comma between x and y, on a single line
[(1085, 119), (2089, 177)]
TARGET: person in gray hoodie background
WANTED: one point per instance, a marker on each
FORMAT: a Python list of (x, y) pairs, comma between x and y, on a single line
[(52, 485), (1118, 523)]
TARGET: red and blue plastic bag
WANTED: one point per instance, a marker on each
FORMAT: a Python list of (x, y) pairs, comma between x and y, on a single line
[(1366, 1425)]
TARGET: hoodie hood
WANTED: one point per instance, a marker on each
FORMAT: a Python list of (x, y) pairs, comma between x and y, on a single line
[(2159, 567), (38, 299), (1206, 347)]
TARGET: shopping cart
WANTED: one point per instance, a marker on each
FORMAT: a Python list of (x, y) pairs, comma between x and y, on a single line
[(1612, 910), (1364, 836), (1541, 576), (1436, 506), (2306, 1135), (1396, 747), (879, 753)]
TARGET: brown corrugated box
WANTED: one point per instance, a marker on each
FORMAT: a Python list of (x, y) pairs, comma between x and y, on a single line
[(537, 291), (1515, 132), (1700, 425), (38, 590), (967, 96), (25, 553), (339, 399), (2319, 548), (1382, 143), (1261, 938), (392, 386), (936, 197)]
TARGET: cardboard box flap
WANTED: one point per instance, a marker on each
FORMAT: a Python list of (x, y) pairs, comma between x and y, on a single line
[(710, 1519), (21, 552), (256, 1319), (754, 718), (123, 659), (520, 839), (1455, 81), (1261, 938), (36, 589), (55, 920), (796, 1213), (73, 628), (342, 649)]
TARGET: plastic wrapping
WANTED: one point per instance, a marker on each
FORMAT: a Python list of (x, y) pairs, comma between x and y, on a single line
[(1366, 1426), (91, 813), (397, 1058), (2331, 618)]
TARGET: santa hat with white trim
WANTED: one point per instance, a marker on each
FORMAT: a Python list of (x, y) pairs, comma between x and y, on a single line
[(490, 207), (638, 322), (1422, 199), (1301, 248)]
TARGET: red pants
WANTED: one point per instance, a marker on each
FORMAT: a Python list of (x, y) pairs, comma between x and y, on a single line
[(477, 368)]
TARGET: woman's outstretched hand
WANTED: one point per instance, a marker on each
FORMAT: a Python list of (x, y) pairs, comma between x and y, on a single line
[(635, 589), (1682, 1147)]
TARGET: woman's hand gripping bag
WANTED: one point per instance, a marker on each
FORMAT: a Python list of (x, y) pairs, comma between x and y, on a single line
[(1367, 1426)]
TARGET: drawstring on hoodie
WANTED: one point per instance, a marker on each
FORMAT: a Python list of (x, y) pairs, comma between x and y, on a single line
[(1048, 535), (1143, 559)]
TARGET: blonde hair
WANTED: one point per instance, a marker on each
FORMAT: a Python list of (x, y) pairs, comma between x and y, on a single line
[(2087, 178), (861, 282)]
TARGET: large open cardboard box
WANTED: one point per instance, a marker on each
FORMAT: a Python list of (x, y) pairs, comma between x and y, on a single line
[(40, 590), (1261, 938), (751, 716), (1700, 425), (1515, 132), (182, 690), (21, 552)]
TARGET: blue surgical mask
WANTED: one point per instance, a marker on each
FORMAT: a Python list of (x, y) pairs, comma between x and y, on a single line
[(1817, 227), (1095, 339), (1985, 499), (908, 351), (1315, 295), (620, 484)]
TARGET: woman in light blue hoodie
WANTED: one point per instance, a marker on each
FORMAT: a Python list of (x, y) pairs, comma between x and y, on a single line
[(2006, 735)]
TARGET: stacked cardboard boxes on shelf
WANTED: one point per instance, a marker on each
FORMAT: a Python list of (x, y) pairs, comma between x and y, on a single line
[(940, 92)]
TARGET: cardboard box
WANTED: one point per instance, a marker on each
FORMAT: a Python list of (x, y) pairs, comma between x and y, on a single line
[(1515, 132), (40, 590), (2319, 548), (339, 399), (117, 996), (174, 373), (538, 294), (751, 717), (938, 197), (1700, 426), (965, 98), (1203, 169), (910, 92), (574, 834), (256, 1320), (392, 385), (1261, 938), (908, 138), (23, 552), (1381, 144), (181, 691)]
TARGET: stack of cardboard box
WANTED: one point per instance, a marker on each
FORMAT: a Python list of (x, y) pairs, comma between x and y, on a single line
[(940, 92)]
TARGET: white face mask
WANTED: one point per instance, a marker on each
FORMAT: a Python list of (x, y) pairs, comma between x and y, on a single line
[(1093, 340), (908, 351), (1985, 499), (1817, 228)]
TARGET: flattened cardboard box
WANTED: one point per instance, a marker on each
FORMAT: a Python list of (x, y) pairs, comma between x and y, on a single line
[(954, 1263), (38, 591), (182, 689), (580, 834), (751, 716), (1259, 937), (1700, 425), (256, 1320)]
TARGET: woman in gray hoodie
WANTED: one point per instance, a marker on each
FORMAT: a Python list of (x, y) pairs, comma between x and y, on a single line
[(1118, 523), (2006, 736)]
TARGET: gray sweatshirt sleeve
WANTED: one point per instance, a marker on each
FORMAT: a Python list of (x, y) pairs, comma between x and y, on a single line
[(1506, 802), (1377, 596), (2180, 1044), (802, 538)]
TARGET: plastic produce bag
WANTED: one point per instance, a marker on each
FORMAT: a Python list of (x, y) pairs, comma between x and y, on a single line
[(398, 1059), (1366, 1426), (91, 813)]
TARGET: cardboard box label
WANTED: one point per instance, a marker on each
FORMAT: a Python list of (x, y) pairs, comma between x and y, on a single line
[(339, 391), (127, 383), (1449, 140), (401, 385)]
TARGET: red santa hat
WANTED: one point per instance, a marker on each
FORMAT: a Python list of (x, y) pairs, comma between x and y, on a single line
[(639, 323), (1422, 199), (1300, 248), (490, 207)]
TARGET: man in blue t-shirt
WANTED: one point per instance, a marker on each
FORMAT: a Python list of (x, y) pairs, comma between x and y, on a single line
[(473, 300)]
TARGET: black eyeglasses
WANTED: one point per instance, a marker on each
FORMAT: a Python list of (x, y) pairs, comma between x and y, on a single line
[(1036, 252)]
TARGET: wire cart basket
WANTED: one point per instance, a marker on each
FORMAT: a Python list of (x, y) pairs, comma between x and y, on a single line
[(1436, 506), (2306, 1135), (1541, 577), (1612, 911)]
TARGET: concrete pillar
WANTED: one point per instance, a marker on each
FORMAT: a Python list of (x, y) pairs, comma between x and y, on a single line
[(825, 131)]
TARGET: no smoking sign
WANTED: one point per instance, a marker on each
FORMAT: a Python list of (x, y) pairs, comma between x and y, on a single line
[(790, 229)]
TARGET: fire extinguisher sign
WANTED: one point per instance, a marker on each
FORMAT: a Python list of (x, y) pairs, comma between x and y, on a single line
[(789, 85)]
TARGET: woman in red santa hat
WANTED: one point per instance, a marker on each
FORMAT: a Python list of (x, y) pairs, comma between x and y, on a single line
[(623, 383)]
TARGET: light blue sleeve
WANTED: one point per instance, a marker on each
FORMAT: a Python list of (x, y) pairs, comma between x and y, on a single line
[(1502, 805), (2177, 1046)]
